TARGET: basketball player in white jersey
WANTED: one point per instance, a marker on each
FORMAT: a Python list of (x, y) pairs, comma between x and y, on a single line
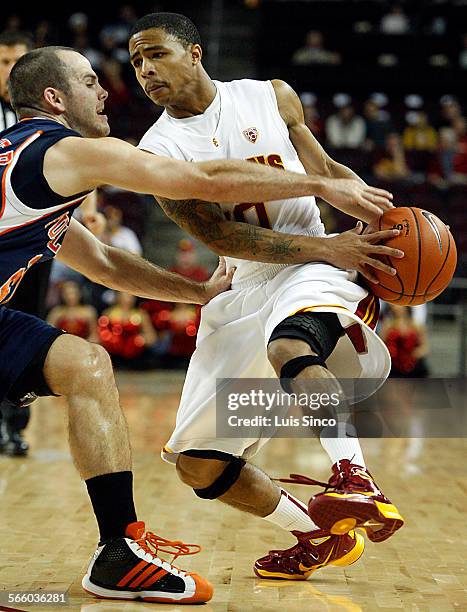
[(50, 160), (284, 316)]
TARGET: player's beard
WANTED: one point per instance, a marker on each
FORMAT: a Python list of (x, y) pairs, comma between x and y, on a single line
[(87, 122)]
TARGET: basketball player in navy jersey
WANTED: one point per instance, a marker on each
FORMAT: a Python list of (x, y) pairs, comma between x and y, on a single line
[(305, 324), (31, 296), (50, 160)]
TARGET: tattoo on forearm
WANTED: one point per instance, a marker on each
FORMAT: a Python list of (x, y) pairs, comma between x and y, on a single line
[(282, 248), (206, 222), (201, 219)]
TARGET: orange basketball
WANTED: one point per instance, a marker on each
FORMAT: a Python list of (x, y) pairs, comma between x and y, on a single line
[(429, 262)]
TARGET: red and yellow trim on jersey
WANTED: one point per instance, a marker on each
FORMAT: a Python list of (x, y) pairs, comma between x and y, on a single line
[(367, 310), (311, 308)]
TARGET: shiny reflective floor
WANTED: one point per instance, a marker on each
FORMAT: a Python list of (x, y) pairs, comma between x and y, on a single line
[(48, 533)]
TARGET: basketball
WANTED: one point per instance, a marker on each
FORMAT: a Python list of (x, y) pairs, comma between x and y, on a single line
[(429, 262)]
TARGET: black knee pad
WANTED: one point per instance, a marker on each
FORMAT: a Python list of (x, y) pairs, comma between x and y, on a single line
[(292, 368), (320, 330), (31, 383), (228, 477)]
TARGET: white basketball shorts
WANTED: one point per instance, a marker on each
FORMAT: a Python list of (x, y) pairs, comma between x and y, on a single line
[(233, 336)]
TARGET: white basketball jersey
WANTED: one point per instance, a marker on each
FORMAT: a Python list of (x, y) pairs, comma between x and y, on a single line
[(242, 122)]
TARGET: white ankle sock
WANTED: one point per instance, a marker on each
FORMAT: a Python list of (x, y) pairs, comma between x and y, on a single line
[(343, 448), (291, 514)]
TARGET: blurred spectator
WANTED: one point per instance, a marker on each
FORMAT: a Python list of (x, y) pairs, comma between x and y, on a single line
[(392, 165), (439, 60), (395, 22), (437, 26), (112, 81), (78, 24), (377, 125), (72, 315), (450, 111), (183, 324), (13, 45), (463, 53), (419, 314), (119, 31), (119, 235), (345, 129), (43, 34), (442, 164), (314, 52), (186, 262), (311, 115), (81, 44), (407, 343), (179, 322), (419, 135), (111, 49), (126, 332), (459, 162), (14, 23)]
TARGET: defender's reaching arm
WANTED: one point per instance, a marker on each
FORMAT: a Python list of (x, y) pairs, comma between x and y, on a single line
[(369, 203), (123, 271), (73, 165)]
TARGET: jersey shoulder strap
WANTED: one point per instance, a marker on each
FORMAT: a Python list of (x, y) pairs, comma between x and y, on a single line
[(27, 179)]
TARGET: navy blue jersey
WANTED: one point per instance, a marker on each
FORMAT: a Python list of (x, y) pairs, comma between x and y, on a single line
[(33, 218)]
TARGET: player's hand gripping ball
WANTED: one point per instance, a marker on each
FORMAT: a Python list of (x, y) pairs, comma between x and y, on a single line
[(428, 264)]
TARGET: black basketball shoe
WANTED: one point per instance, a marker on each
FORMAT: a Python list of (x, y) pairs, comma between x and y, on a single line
[(130, 568)]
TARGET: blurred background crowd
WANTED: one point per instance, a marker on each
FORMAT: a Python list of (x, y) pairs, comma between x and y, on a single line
[(383, 90)]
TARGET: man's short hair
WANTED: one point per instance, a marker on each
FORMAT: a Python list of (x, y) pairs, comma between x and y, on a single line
[(34, 72), (10, 38), (173, 23)]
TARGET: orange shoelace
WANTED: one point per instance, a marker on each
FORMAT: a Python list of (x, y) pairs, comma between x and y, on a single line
[(153, 544)]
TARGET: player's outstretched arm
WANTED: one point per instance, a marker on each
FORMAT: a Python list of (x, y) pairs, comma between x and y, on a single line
[(124, 271), (352, 195), (77, 164), (206, 222)]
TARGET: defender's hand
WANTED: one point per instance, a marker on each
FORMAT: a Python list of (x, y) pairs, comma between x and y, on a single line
[(219, 282), (370, 201), (353, 251)]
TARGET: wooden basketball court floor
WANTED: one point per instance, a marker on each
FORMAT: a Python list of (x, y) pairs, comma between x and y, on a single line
[(48, 532)]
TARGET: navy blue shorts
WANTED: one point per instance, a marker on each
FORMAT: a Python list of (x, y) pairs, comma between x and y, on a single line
[(22, 338)]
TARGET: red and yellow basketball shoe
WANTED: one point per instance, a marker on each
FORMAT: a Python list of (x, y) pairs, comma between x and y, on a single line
[(354, 501), (314, 550), (130, 568)]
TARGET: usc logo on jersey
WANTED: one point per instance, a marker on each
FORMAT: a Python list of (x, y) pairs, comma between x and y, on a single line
[(251, 134)]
